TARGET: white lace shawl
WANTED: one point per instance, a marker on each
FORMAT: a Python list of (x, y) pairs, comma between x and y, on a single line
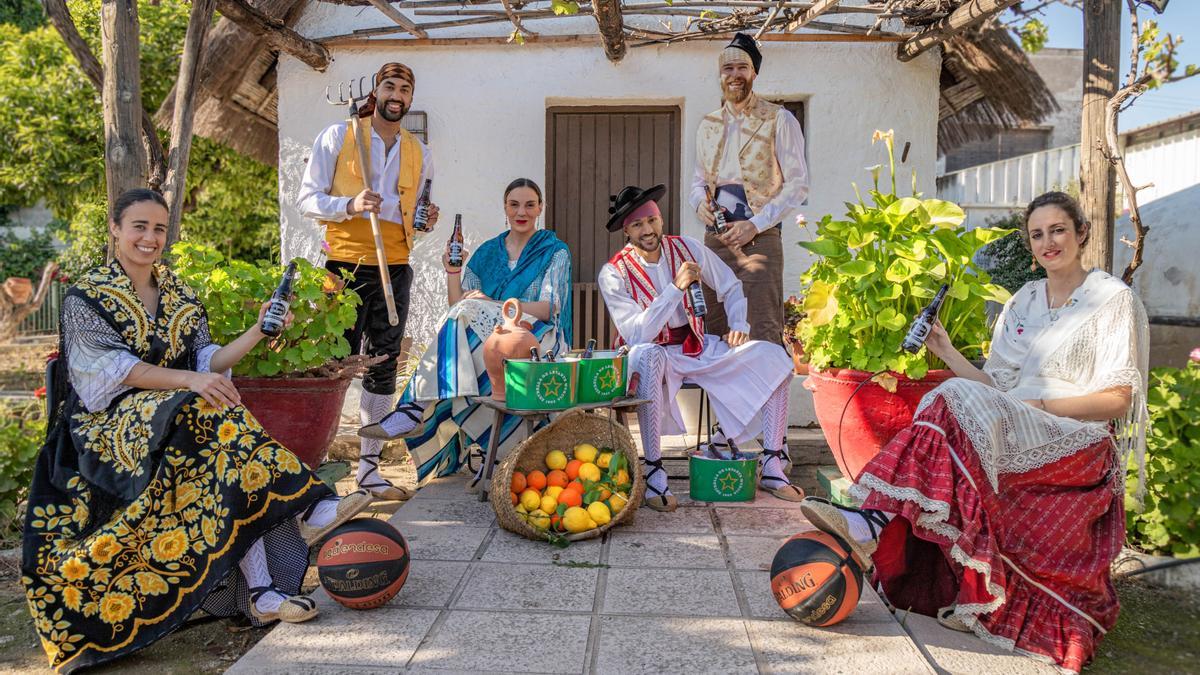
[(1097, 341)]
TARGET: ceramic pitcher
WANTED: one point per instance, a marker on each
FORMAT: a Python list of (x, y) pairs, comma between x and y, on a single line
[(509, 340)]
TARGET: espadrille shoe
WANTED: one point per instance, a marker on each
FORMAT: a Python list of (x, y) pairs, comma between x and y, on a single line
[(295, 608), (830, 518), (348, 507), (946, 617), (659, 500)]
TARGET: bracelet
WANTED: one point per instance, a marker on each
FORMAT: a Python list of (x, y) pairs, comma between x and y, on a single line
[(449, 272)]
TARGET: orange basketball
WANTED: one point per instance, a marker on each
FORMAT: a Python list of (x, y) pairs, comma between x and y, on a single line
[(363, 563), (573, 469), (536, 480), (557, 477), (518, 482), (816, 579)]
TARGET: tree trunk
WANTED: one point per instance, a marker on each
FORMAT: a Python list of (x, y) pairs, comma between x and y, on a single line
[(275, 33), (181, 121), (1097, 178), (124, 156), (969, 14)]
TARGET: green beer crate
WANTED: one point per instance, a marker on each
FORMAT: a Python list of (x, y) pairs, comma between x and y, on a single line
[(540, 385), (602, 377), (722, 480)]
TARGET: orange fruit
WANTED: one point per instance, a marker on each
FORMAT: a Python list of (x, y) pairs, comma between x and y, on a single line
[(515, 498), (570, 498), (557, 477), (536, 480), (573, 468), (556, 523), (518, 482), (576, 486)]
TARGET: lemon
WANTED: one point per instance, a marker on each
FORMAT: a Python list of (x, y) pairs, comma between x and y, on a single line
[(553, 491), (617, 502), (622, 477), (530, 499), (589, 471), (575, 519), (604, 460), (522, 510), (599, 512), (556, 459), (549, 504), (540, 520), (585, 452)]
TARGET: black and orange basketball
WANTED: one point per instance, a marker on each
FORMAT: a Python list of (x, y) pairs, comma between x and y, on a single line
[(816, 579), (363, 563)]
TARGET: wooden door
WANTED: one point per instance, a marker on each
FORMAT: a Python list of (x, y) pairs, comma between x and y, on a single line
[(591, 153)]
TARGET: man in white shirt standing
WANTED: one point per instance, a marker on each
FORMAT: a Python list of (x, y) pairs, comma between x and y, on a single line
[(750, 156), (333, 193), (645, 288)]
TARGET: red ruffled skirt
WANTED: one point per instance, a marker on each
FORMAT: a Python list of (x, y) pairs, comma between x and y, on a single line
[(1027, 565)]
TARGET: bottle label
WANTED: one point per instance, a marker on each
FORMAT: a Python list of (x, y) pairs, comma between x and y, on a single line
[(421, 218)]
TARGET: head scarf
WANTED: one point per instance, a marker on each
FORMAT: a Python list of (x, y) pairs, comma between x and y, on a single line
[(646, 210), (386, 71)]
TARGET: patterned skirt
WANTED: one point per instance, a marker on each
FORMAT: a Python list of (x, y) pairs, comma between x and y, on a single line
[(1026, 563), (215, 484), (451, 371)]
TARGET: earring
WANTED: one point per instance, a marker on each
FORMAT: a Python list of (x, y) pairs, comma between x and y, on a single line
[(1033, 265)]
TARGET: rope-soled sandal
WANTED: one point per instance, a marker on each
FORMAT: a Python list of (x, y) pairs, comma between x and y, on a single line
[(785, 491), (829, 517), (659, 500), (946, 617), (379, 487), (295, 608), (377, 432), (348, 507)]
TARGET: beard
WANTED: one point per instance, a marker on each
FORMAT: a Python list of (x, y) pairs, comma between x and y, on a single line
[(389, 115), (648, 242), (735, 95)]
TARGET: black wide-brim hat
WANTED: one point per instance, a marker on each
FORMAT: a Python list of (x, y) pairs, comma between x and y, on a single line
[(627, 200)]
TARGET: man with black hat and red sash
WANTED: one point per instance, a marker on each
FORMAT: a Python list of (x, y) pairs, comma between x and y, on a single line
[(644, 286), (332, 192)]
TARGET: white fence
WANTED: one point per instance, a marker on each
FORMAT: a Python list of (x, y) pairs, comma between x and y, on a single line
[(998, 188)]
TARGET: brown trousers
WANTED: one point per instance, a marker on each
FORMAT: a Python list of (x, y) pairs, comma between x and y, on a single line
[(759, 266)]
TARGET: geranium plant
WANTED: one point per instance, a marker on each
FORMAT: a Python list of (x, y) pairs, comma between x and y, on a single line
[(233, 291), (879, 265)]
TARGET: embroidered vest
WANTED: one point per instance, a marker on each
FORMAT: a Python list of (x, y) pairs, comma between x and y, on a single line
[(351, 240), (641, 288), (761, 175)]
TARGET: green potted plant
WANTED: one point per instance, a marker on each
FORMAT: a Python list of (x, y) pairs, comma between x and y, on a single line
[(877, 267), (793, 313), (293, 384)]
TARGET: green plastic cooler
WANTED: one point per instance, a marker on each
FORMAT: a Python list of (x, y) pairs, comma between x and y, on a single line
[(540, 385), (602, 377)]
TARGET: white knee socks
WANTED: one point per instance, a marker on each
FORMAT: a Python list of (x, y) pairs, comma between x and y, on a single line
[(404, 418), (372, 408), (254, 568), (651, 364), (774, 421)]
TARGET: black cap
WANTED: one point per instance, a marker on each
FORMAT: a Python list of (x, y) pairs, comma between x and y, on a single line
[(744, 42), (627, 200)]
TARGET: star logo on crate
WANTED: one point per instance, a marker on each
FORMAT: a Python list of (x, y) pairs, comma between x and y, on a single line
[(727, 481), (607, 379), (551, 386)]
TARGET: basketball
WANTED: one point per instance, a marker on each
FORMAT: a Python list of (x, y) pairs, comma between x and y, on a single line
[(363, 563), (816, 579)]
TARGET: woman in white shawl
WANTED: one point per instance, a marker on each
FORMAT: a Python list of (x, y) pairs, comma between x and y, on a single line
[(1001, 508)]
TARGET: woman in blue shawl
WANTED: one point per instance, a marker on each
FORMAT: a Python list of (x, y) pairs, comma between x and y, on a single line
[(523, 262)]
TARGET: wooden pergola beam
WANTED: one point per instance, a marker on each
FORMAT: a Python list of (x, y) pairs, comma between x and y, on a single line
[(612, 28), (352, 40), (818, 8), (275, 33), (398, 17), (968, 14)]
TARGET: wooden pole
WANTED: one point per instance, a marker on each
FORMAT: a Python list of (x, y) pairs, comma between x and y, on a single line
[(1097, 177), (275, 33), (398, 17), (121, 93), (183, 116), (612, 28), (970, 13), (818, 8), (60, 17)]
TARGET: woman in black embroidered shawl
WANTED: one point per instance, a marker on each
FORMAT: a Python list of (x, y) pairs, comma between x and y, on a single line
[(155, 489)]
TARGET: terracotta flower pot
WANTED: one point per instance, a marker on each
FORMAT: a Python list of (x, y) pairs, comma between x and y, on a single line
[(873, 417), (301, 413), (18, 289), (510, 340)]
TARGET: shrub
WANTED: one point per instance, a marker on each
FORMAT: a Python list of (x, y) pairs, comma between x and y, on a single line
[(25, 256), (232, 292), (22, 431), (1008, 259), (1169, 522)]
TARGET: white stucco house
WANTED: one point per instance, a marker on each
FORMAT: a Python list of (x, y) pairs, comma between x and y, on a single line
[(558, 109)]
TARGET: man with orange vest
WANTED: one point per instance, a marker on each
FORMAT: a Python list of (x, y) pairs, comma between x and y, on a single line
[(333, 193)]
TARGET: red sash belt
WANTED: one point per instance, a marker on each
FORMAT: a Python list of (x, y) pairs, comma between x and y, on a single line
[(674, 336)]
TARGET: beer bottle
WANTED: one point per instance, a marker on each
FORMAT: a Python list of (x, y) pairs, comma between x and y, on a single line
[(456, 242), (272, 323), (534, 355), (590, 348), (924, 322), (720, 224), (696, 295), (421, 212)]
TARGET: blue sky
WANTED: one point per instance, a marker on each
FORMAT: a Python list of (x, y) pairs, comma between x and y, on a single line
[(1182, 18)]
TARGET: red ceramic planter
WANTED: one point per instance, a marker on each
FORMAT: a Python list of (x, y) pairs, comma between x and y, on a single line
[(874, 416), (301, 413)]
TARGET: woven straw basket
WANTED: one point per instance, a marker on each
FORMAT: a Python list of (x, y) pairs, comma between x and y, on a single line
[(571, 428)]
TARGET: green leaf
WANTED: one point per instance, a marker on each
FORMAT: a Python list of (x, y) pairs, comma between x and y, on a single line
[(897, 211), (824, 247), (856, 269), (943, 214), (901, 270), (888, 319)]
